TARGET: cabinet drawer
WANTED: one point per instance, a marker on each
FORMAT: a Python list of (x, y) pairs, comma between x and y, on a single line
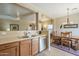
[(8, 45), (25, 41)]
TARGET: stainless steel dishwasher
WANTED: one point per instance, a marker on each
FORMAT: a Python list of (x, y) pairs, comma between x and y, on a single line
[(42, 43)]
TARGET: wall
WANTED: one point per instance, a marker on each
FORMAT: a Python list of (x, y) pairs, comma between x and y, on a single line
[(74, 18), (29, 19), (23, 23), (44, 21), (7, 35)]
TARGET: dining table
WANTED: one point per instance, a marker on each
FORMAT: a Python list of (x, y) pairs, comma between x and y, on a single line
[(74, 39)]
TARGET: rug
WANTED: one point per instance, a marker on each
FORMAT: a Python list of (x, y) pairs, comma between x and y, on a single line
[(66, 49)]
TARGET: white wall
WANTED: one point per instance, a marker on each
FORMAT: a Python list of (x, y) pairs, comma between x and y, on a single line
[(74, 18), (23, 23), (14, 34)]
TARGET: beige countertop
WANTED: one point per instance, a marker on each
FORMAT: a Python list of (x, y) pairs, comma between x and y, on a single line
[(14, 39), (43, 35)]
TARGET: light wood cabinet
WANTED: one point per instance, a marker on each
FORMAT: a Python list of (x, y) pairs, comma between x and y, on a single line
[(21, 48), (29, 47), (5, 52), (25, 48), (10, 49), (34, 46)]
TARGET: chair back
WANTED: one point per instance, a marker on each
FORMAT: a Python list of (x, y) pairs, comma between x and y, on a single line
[(66, 34)]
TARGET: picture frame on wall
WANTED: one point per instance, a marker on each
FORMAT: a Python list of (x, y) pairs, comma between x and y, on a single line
[(14, 27), (71, 26)]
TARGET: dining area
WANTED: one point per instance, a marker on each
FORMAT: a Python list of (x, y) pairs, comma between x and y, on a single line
[(66, 41)]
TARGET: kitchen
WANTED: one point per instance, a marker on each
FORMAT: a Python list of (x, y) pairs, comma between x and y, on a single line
[(16, 38)]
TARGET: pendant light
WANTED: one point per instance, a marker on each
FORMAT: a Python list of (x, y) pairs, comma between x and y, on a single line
[(68, 22)]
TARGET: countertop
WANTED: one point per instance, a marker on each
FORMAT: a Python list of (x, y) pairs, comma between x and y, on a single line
[(14, 39)]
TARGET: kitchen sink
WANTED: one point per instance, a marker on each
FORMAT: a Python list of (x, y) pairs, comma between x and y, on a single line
[(25, 36)]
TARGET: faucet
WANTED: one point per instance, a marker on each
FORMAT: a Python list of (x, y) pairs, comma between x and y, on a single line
[(25, 33)]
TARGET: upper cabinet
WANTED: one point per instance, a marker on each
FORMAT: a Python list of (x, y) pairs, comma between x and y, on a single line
[(14, 17)]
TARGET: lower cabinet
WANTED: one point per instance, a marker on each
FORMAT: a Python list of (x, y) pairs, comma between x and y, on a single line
[(5, 52), (11, 49), (29, 47), (25, 48), (34, 46), (21, 48)]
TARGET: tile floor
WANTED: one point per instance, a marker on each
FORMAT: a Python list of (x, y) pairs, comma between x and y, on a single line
[(54, 52)]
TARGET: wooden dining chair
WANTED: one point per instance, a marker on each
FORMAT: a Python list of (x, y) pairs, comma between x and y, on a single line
[(75, 44), (65, 39), (56, 39)]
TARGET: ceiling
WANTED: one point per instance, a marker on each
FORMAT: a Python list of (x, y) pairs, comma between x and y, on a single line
[(9, 11), (56, 10)]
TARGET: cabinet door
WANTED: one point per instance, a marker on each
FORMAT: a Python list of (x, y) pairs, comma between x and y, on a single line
[(34, 46), (25, 48), (14, 51), (9, 52), (10, 49), (5, 52)]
